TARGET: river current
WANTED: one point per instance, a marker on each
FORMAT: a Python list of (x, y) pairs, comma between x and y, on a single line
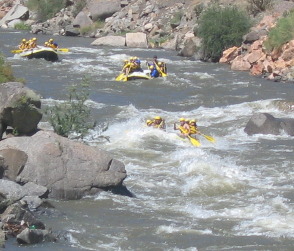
[(235, 194)]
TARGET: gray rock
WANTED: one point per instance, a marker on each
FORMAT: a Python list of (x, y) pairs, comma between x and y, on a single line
[(33, 236), (18, 11), (190, 47), (102, 9), (137, 39), (18, 214), (33, 202), (117, 41), (13, 163), (14, 191), (67, 168), (82, 20), (264, 123), (19, 108), (71, 31)]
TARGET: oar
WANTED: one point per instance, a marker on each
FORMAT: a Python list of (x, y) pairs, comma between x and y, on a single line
[(211, 139), (16, 51), (120, 77), (63, 49), (194, 142)]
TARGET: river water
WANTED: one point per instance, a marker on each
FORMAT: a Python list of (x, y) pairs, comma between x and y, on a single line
[(236, 194)]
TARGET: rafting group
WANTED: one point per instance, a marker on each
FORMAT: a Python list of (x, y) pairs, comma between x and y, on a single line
[(132, 69), (48, 51), (187, 127), (32, 43)]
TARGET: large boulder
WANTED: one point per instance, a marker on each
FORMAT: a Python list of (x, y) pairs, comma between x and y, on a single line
[(264, 123), (19, 108), (18, 11), (67, 168), (137, 39), (116, 41), (102, 9), (82, 20)]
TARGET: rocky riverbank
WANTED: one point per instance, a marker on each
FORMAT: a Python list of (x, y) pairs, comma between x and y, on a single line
[(37, 164), (165, 24)]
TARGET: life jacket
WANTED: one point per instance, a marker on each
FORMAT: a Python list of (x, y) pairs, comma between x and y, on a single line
[(183, 129), (193, 129), (22, 46)]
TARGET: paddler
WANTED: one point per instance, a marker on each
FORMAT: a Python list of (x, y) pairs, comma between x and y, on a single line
[(184, 128), (52, 44), (193, 128), (33, 43), (159, 123), (22, 45)]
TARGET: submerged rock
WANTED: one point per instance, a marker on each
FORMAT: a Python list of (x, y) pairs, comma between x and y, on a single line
[(264, 123)]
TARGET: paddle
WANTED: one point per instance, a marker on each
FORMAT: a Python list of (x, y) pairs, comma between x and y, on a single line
[(194, 142), (211, 139), (120, 77), (63, 49), (16, 51)]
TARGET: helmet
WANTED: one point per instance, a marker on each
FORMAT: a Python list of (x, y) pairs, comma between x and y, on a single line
[(46, 42), (34, 39), (51, 40), (157, 117), (193, 121), (135, 58), (24, 40), (182, 119), (148, 122), (126, 60), (159, 63), (151, 67)]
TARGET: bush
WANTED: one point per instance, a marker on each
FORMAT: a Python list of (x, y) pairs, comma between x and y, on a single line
[(73, 115), (176, 20), (22, 26), (256, 6), (221, 29), (282, 33), (6, 74), (46, 9)]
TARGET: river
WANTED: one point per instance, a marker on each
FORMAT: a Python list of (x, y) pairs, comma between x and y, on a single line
[(235, 194)]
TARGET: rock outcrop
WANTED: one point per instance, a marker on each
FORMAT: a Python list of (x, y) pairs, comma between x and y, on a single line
[(66, 168), (264, 123), (19, 108)]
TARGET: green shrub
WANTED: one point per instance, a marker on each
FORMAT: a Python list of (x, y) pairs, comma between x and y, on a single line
[(46, 9), (256, 6), (22, 26), (221, 29), (6, 74), (282, 33), (198, 9), (72, 116)]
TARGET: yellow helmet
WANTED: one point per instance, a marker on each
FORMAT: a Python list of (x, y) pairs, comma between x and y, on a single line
[(151, 67), (34, 39), (24, 40), (157, 117), (51, 40), (148, 122), (193, 121), (159, 63), (182, 119)]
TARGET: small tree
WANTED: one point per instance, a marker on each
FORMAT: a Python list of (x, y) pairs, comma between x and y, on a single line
[(221, 28), (6, 73), (282, 33), (73, 115)]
